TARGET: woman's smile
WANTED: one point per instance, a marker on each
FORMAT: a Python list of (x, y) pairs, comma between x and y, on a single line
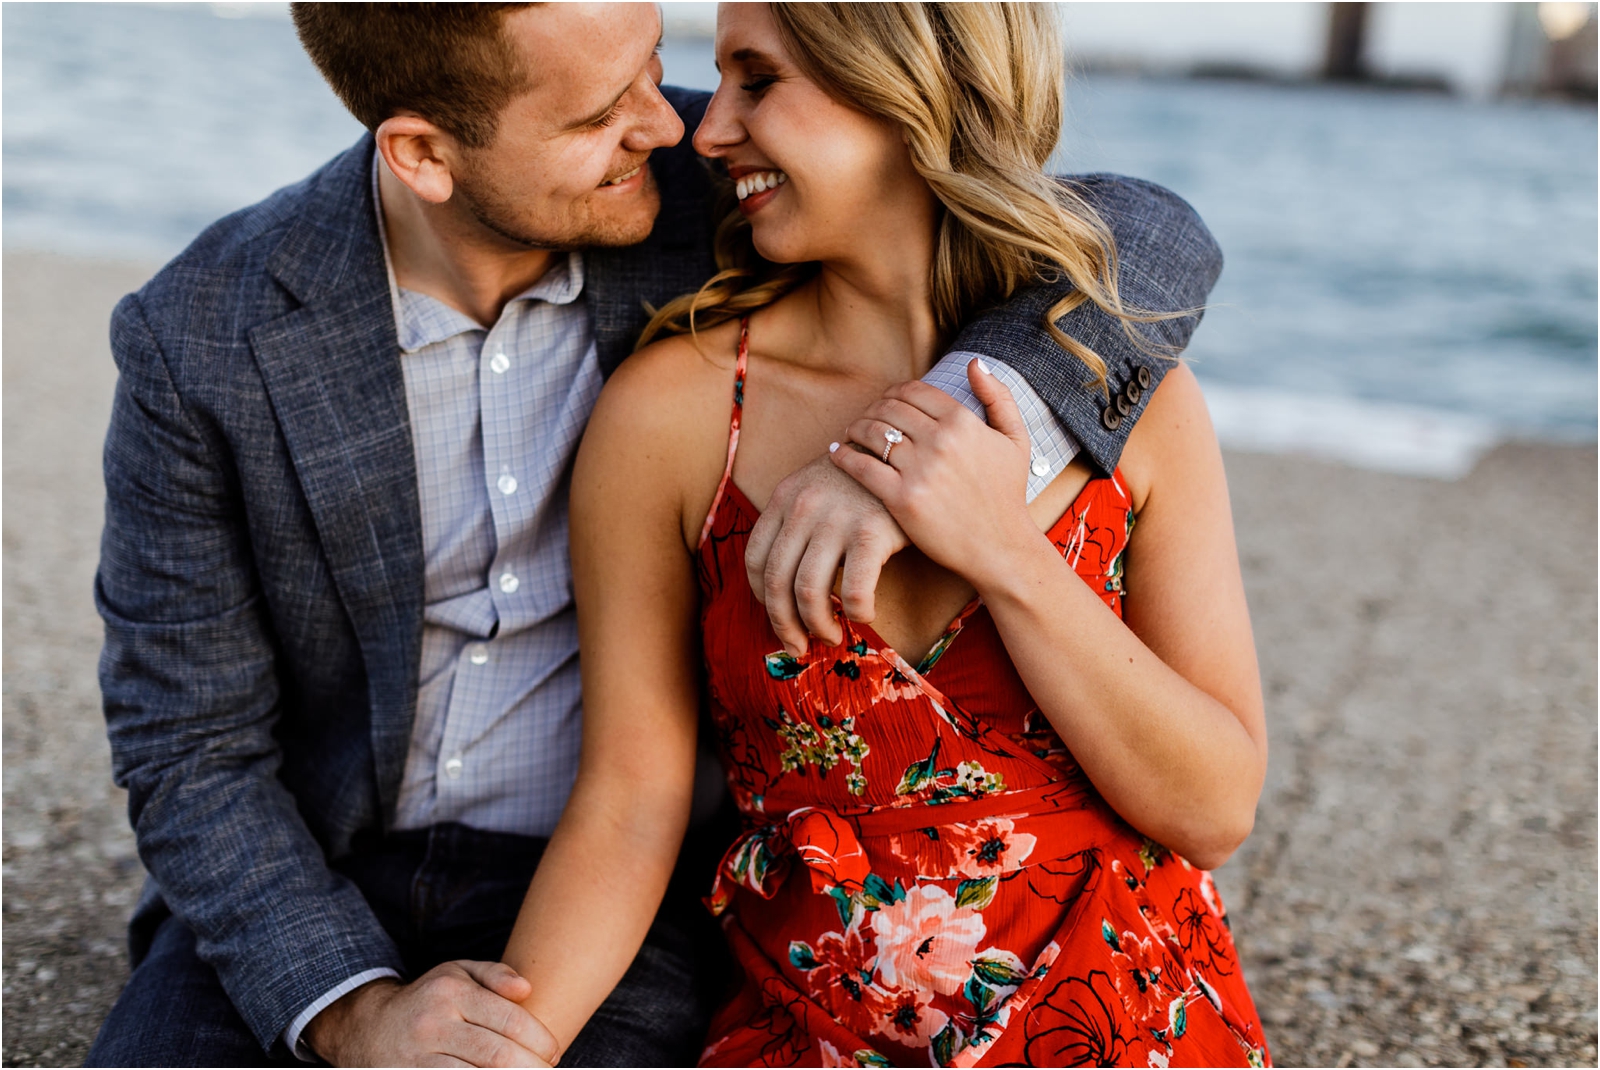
[(756, 186)]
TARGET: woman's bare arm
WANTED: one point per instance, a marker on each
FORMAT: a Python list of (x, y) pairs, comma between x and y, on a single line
[(606, 868), (1164, 710)]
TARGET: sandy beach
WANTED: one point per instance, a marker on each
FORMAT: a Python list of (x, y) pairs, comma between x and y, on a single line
[(1420, 888)]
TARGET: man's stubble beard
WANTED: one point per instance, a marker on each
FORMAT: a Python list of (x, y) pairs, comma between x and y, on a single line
[(496, 213)]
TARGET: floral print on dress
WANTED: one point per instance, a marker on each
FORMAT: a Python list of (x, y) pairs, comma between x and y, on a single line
[(926, 876)]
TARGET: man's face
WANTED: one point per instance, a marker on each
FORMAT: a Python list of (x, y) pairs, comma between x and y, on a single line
[(568, 164)]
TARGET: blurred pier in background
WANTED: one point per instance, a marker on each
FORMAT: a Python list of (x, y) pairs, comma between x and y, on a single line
[(1479, 50)]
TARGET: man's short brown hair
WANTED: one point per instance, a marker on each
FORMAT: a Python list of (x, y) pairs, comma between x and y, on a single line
[(448, 63)]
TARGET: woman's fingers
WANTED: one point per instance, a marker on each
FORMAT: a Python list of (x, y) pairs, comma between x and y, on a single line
[(929, 399), (1001, 407), (879, 438), (911, 421)]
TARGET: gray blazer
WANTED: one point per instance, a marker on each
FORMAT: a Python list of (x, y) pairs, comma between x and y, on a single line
[(261, 573)]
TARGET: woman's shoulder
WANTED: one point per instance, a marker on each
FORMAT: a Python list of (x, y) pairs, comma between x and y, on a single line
[(669, 380), (660, 426), (671, 387), (1173, 442)]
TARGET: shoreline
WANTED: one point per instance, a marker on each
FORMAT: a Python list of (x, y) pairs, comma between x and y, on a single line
[(1420, 885), (1402, 437)]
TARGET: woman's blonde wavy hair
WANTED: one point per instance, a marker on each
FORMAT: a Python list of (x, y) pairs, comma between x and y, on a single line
[(977, 90)]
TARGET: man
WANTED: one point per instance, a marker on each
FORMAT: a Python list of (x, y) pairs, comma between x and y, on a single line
[(340, 667)]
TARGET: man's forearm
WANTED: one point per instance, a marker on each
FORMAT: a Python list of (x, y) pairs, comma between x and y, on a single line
[(1167, 262)]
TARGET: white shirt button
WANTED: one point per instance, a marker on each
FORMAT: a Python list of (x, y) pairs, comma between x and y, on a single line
[(508, 582), (507, 483), (452, 768), (478, 654), (1040, 466), (499, 363)]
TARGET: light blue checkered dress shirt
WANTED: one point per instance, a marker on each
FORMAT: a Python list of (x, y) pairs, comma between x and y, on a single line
[(496, 416)]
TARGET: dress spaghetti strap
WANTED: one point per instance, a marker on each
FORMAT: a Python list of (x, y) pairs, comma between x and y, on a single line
[(733, 428)]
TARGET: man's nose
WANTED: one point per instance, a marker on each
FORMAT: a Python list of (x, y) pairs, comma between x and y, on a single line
[(659, 126)]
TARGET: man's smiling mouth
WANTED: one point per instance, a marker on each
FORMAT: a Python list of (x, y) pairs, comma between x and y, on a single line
[(620, 179)]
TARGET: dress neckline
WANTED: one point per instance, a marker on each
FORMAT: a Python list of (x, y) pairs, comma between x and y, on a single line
[(1063, 528)]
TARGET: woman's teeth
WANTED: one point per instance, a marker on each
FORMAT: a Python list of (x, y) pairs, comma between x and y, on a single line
[(622, 178), (758, 181)]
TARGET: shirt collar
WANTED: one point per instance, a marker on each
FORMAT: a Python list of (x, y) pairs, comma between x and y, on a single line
[(421, 320)]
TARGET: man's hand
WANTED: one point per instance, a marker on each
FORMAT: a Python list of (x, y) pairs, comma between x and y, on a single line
[(456, 1014), (817, 517)]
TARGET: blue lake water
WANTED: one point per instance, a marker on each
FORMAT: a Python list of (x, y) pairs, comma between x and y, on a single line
[(1391, 257)]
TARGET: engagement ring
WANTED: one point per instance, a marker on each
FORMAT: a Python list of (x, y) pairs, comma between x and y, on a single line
[(890, 437)]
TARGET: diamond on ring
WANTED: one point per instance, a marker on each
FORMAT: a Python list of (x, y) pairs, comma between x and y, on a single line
[(890, 437)]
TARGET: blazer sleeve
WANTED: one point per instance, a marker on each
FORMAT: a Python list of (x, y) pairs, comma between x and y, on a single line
[(1167, 262), (191, 694)]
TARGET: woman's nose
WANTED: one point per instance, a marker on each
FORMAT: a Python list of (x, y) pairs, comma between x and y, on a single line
[(721, 128)]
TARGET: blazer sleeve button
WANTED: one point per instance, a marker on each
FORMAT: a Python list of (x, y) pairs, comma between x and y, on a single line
[(1124, 406), (1111, 418), (1133, 392), (1143, 375)]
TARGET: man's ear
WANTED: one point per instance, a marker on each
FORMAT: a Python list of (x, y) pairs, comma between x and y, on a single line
[(419, 154)]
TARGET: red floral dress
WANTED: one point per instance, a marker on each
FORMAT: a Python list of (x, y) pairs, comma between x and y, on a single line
[(927, 877)]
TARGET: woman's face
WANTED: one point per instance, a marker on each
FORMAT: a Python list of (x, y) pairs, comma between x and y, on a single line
[(818, 180)]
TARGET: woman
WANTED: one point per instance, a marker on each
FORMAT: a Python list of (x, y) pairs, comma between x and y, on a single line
[(955, 817)]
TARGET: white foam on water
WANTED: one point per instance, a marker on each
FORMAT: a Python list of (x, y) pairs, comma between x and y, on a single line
[(1383, 436)]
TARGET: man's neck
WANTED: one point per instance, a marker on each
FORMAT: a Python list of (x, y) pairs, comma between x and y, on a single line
[(456, 260)]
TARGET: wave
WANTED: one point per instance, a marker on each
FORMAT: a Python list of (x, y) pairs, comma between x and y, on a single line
[(1379, 435)]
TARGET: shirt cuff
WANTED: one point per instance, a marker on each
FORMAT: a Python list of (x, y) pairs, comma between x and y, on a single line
[(1052, 446), (291, 1035)]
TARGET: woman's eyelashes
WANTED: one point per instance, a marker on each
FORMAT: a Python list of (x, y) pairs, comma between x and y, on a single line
[(757, 83)]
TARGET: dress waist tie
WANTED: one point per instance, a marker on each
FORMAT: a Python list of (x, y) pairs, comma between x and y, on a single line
[(1054, 820)]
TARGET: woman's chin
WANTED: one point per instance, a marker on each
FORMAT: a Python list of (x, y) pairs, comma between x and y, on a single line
[(783, 255), (779, 248)]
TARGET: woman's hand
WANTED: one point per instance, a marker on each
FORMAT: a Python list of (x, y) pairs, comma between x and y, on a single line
[(957, 487)]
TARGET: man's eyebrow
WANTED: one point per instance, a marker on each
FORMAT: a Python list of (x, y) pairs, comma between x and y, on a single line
[(594, 117)]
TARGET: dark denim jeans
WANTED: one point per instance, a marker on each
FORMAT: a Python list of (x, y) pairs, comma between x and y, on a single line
[(448, 892)]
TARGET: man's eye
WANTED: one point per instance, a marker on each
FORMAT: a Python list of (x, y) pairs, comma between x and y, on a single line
[(605, 120), (757, 84)]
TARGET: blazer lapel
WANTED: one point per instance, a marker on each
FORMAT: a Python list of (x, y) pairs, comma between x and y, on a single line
[(332, 369)]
